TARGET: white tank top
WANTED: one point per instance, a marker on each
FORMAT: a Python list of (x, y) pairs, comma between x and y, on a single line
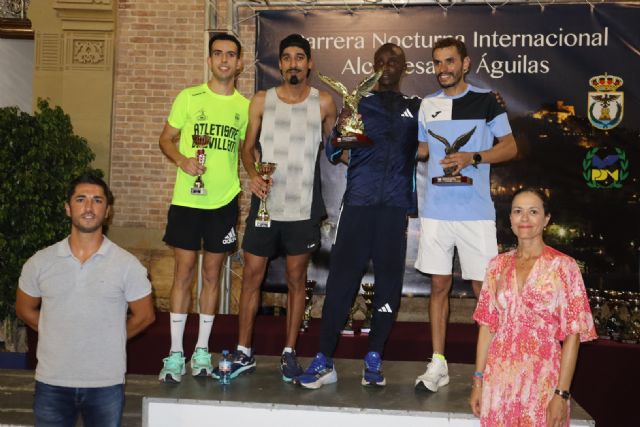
[(290, 136)]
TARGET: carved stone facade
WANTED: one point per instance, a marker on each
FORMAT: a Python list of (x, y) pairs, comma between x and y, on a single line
[(49, 52), (74, 54), (88, 52), (14, 9)]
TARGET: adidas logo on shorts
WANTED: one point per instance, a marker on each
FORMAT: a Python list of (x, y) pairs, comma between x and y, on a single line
[(230, 237)]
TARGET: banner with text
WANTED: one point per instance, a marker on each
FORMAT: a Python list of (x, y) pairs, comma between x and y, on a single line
[(569, 76)]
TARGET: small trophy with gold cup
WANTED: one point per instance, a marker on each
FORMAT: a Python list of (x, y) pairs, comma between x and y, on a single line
[(265, 170), (348, 329), (367, 294), (308, 304)]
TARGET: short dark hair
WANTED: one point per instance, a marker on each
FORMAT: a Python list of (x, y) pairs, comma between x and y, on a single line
[(539, 193), (295, 40), (224, 36), (89, 178), (452, 41), (388, 47)]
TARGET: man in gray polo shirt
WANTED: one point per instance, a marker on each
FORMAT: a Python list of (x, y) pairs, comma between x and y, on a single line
[(75, 293)]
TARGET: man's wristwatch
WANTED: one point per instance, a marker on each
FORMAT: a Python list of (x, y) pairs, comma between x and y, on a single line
[(477, 158)]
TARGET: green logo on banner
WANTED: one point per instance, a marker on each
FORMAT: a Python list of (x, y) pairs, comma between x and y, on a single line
[(605, 172)]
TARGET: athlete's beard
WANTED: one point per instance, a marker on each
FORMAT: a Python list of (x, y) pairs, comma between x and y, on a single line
[(456, 80), (294, 79)]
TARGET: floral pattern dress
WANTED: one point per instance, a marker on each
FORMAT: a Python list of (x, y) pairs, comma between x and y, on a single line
[(523, 361)]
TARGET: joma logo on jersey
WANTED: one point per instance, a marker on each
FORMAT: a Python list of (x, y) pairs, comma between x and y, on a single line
[(605, 170)]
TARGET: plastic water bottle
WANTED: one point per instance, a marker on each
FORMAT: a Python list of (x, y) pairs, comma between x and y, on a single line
[(224, 366)]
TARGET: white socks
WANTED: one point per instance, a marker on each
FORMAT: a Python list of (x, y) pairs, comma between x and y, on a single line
[(245, 350), (178, 322), (204, 330)]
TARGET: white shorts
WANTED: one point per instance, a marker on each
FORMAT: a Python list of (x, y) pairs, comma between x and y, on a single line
[(476, 242)]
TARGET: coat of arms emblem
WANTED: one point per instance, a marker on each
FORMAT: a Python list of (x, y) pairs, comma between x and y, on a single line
[(606, 105)]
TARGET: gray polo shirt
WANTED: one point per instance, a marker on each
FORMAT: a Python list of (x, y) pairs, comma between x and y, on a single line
[(82, 328)]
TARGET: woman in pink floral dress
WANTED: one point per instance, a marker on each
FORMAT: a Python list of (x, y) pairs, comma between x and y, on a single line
[(533, 298)]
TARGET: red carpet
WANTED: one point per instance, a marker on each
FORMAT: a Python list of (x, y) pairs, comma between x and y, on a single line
[(408, 341), (604, 384)]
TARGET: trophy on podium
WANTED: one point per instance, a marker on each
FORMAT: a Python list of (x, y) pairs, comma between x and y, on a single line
[(449, 178), (367, 294), (348, 330), (200, 141), (308, 304), (599, 319), (351, 131), (265, 170)]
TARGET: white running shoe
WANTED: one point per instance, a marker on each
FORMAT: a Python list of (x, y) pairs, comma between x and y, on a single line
[(436, 376)]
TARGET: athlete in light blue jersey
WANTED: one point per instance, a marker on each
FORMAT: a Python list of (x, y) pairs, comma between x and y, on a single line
[(461, 217)]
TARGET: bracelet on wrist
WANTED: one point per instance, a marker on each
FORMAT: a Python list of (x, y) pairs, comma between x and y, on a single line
[(563, 394), (478, 374)]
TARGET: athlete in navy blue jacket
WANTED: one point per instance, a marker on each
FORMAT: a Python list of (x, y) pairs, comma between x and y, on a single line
[(380, 194)]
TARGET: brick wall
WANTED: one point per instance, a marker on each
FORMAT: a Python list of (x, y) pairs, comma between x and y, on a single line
[(160, 50)]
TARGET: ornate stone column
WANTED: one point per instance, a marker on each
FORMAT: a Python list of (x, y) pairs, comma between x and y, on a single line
[(74, 65)]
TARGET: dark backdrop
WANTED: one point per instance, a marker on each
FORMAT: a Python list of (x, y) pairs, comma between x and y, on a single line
[(541, 62)]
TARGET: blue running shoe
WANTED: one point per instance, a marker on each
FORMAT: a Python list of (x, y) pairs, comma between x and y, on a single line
[(290, 367), (242, 364), (372, 373), (319, 373)]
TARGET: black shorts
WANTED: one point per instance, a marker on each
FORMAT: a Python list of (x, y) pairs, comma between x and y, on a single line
[(192, 229), (283, 237)]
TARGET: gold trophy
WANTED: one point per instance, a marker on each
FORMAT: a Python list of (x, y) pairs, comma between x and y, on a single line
[(200, 142), (367, 294), (265, 170), (351, 131), (449, 178), (348, 330), (308, 304)]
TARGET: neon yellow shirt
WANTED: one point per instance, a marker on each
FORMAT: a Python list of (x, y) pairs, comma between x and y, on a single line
[(199, 111)]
